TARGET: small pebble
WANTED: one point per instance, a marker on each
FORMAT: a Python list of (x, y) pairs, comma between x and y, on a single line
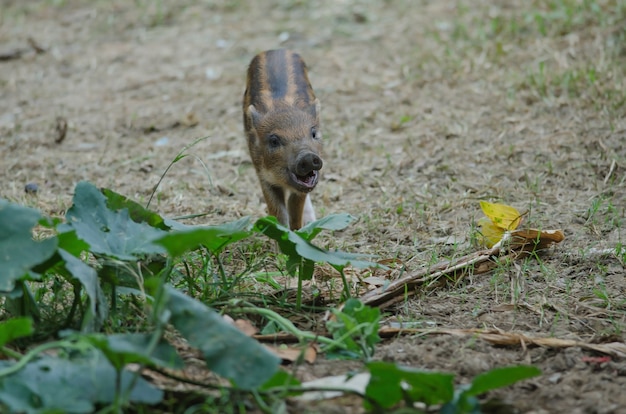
[(222, 43), (283, 37), (213, 73), (31, 188)]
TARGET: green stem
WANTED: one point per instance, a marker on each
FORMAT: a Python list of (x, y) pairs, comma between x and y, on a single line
[(346, 289), (10, 353), (21, 363), (154, 340), (261, 403), (178, 157), (346, 335), (299, 292), (288, 326)]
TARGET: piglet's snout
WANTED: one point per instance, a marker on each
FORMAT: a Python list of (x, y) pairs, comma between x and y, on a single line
[(308, 162)]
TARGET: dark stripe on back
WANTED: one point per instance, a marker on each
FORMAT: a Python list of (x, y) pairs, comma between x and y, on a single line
[(276, 67), (300, 78)]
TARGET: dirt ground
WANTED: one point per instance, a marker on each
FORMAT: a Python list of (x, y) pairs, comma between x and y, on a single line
[(427, 108)]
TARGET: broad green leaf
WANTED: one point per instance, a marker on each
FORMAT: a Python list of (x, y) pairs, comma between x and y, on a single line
[(88, 278), (15, 328), (123, 349), (138, 213), (335, 258), (296, 248), (270, 227), (214, 238), (332, 222), (18, 251), (110, 233), (501, 377), (390, 383), (75, 385), (227, 351), (71, 243)]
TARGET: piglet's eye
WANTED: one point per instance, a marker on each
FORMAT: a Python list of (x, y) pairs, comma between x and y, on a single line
[(313, 132), (273, 141)]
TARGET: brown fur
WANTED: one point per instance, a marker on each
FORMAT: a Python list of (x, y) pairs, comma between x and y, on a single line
[(279, 106)]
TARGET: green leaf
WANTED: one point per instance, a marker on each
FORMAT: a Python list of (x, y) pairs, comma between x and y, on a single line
[(335, 258), (15, 328), (270, 227), (390, 384), (21, 302), (501, 377), (296, 248), (71, 243), (109, 233), (214, 238), (279, 380), (138, 213), (18, 251), (88, 278), (356, 325), (69, 385), (123, 349), (227, 351), (332, 222)]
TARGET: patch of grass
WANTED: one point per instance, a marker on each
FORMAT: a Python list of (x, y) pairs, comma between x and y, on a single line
[(555, 49), (603, 215)]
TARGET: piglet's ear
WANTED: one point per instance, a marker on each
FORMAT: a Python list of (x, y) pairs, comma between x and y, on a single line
[(253, 117)]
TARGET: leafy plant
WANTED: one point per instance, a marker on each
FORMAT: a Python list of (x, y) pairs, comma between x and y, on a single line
[(391, 384), (302, 254), (109, 233), (133, 250), (112, 238), (356, 328)]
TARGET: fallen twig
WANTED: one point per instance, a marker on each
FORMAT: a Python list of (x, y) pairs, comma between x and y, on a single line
[(497, 337), (493, 336), (515, 244)]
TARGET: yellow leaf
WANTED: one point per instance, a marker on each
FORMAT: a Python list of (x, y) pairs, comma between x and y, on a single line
[(502, 216), (491, 233)]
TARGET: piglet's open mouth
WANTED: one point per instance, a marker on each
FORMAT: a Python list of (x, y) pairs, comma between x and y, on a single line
[(305, 183)]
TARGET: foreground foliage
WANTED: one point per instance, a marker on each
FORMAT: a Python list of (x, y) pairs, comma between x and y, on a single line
[(109, 249)]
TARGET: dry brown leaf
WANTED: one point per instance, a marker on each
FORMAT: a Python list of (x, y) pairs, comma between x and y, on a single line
[(292, 354), (533, 239), (246, 327)]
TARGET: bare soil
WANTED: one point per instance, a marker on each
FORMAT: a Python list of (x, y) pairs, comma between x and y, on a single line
[(427, 107)]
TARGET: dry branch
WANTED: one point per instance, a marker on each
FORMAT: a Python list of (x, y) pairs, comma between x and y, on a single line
[(497, 337), (515, 244), (493, 336)]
